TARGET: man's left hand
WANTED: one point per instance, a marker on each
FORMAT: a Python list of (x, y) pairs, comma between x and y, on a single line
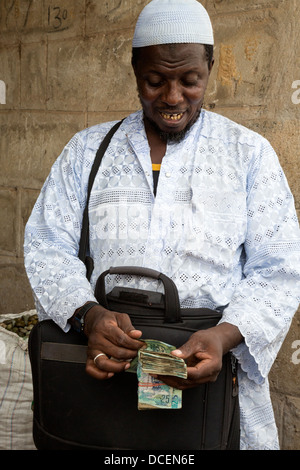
[(203, 353)]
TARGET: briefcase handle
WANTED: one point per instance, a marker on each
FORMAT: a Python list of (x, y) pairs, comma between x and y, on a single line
[(172, 305)]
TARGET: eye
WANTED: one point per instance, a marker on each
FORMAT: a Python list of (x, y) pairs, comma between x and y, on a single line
[(154, 80), (190, 80), (155, 83), (188, 83)]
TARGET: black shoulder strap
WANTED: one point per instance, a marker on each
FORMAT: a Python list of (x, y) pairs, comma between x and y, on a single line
[(84, 239)]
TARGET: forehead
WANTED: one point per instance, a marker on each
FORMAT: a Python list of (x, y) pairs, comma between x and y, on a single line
[(172, 56)]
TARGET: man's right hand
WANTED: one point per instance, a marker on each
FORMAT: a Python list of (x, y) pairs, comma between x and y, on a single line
[(111, 337)]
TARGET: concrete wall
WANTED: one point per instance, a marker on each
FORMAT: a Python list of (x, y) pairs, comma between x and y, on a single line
[(65, 65)]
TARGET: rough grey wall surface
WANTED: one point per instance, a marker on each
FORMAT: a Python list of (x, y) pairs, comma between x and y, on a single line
[(65, 65)]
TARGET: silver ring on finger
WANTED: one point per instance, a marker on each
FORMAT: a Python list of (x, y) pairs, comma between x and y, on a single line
[(98, 355)]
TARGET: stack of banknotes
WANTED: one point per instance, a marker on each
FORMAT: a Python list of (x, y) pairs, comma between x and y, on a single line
[(156, 358)]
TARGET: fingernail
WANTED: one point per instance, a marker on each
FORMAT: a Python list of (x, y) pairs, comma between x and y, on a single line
[(177, 352)]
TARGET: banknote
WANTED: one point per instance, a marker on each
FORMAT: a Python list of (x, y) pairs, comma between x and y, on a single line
[(151, 345), (157, 346), (155, 394), (162, 364), (155, 358)]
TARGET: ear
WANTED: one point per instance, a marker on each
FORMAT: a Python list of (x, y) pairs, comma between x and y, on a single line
[(134, 69), (134, 63), (211, 65)]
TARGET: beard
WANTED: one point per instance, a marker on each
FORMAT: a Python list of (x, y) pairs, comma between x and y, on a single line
[(173, 137)]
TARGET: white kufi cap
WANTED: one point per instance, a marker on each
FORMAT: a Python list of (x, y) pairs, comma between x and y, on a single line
[(173, 22)]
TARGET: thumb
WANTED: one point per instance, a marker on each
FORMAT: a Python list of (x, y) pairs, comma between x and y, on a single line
[(134, 334), (180, 353), (185, 351), (125, 324)]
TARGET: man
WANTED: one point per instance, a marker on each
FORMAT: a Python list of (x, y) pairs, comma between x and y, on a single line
[(221, 221)]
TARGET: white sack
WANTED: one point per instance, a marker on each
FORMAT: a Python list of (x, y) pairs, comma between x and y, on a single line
[(16, 391)]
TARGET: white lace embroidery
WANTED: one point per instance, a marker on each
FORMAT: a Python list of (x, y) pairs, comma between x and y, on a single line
[(222, 225)]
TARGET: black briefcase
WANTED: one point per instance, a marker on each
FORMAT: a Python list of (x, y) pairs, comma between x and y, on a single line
[(74, 411)]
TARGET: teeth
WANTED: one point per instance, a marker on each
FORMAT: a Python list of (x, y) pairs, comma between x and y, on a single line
[(173, 117)]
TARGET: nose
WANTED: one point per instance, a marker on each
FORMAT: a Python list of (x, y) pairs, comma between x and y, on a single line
[(172, 94)]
